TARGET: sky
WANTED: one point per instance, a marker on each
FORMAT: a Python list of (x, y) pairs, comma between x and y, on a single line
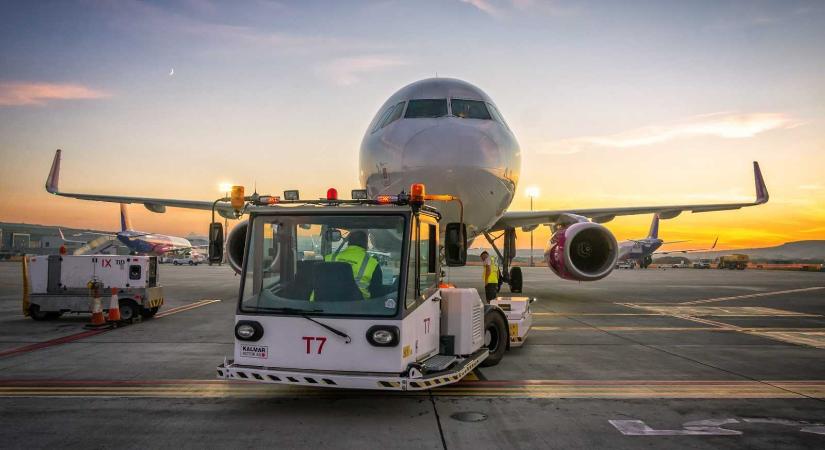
[(613, 103)]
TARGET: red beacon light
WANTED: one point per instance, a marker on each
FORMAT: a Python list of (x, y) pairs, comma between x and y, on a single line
[(417, 193), (332, 194)]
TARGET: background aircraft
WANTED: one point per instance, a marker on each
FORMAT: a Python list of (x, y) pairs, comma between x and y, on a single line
[(138, 242), (449, 135), (642, 250)]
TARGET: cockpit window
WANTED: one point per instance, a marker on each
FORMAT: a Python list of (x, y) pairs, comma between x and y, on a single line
[(470, 109), (383, 119), (496, 115), (395, 114), (426, 108)]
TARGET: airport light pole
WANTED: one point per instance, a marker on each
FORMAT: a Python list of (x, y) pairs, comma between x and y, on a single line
[(532, 192)]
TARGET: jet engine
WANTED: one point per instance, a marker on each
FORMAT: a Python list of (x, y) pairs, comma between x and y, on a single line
[(235, 243), (583, 251)]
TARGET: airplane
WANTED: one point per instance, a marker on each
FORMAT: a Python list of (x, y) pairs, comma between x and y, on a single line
[(642, 250), (449, 135), (138, 242)]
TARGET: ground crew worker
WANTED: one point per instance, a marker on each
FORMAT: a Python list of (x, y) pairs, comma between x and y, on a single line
[(490, 276), (366, 271)]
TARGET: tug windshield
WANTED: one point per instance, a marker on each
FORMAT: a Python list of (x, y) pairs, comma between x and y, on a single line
[(324, 265)]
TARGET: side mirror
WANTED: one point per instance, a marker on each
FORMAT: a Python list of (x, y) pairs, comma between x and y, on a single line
[(215, 243), (455, 244)]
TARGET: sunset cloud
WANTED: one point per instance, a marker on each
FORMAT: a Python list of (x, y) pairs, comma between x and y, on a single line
[(507, 9), (28, 93), (347, 71), (724, 125), (484, 6)]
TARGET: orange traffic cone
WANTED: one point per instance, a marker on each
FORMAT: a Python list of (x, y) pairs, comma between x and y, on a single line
[(114, 307), (97, 313)]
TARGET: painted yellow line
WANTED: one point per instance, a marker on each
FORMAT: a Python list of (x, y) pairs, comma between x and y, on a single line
[(186, 307), (715, 328), (761, 294), (593, 314), (809, 338), (515, 389)]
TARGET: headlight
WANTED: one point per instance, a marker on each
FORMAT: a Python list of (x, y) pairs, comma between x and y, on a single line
[(248, 330), (383, 336)]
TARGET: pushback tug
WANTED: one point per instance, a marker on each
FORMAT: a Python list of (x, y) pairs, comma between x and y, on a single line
[(306, 318)]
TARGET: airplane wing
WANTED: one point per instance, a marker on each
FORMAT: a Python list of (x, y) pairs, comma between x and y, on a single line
[(531, 219), (157, 205), (692, 250), (63, 237)]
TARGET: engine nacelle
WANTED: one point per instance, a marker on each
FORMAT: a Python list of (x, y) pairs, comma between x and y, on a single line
[(235, 243), (583, 251)]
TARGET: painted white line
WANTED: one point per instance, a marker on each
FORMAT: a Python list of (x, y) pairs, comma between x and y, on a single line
[(699, 428), (761, 294), (711, 427)]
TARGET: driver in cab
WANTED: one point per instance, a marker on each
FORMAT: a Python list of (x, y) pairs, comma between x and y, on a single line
[(366, 271)]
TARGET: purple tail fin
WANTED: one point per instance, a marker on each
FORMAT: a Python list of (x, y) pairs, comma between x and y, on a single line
[(54, 174), (125, 223), (654, 227)]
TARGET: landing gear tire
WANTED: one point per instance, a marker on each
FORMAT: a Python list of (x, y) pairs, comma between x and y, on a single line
[(495, 335), (516, 280), (647, 262), (148, 313), (36, 314), (129, 309)]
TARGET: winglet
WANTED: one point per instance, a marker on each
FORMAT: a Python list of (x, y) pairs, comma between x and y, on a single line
[(714, 243), (761, 190), (61, 234), (54, 174)]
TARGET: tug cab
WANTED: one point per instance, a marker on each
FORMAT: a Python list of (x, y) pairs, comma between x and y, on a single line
[(308, 315)]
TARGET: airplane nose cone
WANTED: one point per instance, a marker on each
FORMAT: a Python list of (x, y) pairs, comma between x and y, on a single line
[(452, 145)]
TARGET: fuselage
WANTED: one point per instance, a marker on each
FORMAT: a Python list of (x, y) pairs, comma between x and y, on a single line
[(152, 244), (449, 135), (639, 249)]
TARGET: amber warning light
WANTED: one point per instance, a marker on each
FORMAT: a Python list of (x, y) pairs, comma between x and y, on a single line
[(236, 198)]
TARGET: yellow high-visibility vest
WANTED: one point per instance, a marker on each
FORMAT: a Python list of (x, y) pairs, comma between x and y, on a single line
[(363, 266), (493, 276)]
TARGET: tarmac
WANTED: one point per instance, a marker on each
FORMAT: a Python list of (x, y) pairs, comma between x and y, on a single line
[(644, 358)]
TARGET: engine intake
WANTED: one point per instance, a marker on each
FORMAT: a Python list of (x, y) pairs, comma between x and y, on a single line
[(583, 251), (235, 243)]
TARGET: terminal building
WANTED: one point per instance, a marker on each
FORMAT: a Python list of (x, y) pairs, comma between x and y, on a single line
[(24, 238)]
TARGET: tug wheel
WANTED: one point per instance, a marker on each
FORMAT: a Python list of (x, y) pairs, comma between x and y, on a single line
[(516, 280), (495, 338), (129, 309), (36, 314)]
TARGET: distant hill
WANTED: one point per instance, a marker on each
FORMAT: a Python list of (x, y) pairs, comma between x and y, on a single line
[(790, 251)]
